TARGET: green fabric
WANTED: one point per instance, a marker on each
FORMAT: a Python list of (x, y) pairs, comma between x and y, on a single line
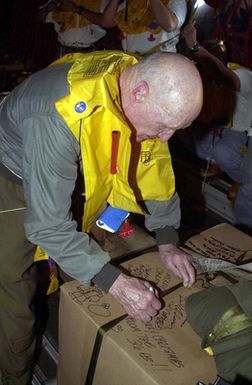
[(233, 355), (242, 291), (198, 305), (205, 309)]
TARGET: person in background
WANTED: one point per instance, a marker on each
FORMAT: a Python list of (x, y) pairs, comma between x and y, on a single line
[(232, 23), (59, 117), (145, 25), (230, 147), (75, 32)]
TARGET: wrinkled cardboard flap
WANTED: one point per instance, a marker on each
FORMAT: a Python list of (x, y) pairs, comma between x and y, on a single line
[(224, 242)]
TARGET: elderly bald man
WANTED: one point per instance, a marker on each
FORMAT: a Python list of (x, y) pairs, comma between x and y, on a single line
[(80, 110)]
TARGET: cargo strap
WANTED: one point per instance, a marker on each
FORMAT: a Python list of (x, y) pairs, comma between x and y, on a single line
[(232, 321)]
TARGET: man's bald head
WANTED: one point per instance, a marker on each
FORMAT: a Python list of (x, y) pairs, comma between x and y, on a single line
[(174, 82), (164, 87)]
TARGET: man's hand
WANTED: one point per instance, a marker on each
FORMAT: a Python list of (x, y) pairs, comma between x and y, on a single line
[(189, 33), (135, 296), (179, 262)]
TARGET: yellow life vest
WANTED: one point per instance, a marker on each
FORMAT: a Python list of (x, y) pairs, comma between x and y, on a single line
[(138, 17), (93, 111), (70, 20)]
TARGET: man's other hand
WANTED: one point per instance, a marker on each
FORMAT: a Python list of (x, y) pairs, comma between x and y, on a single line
[(136, 297), (179, 262)]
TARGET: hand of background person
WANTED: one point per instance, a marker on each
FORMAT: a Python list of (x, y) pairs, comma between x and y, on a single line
[(189, 33), (52, 7), (136, 298), (43, 11), (69, 6), (179, 262)]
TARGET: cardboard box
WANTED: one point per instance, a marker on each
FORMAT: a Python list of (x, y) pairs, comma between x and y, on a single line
[(223, 241), (100, 345), (120, 247)]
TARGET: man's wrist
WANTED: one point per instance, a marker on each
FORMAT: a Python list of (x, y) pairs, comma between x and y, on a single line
[(195, 48), (166, 235), (107, 276)]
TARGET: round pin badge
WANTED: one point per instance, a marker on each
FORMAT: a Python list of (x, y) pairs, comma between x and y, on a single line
[(153, 24), (80, 107)]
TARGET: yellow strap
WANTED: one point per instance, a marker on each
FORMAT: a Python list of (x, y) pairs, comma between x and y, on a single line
[(234, 66), (232, 321), (54, 284), (209, 351), (40, 255)]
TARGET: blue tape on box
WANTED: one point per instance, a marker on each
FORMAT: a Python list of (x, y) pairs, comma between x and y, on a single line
[(111, 219)]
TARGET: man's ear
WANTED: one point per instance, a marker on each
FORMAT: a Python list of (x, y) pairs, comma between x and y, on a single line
[(140, 92)]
